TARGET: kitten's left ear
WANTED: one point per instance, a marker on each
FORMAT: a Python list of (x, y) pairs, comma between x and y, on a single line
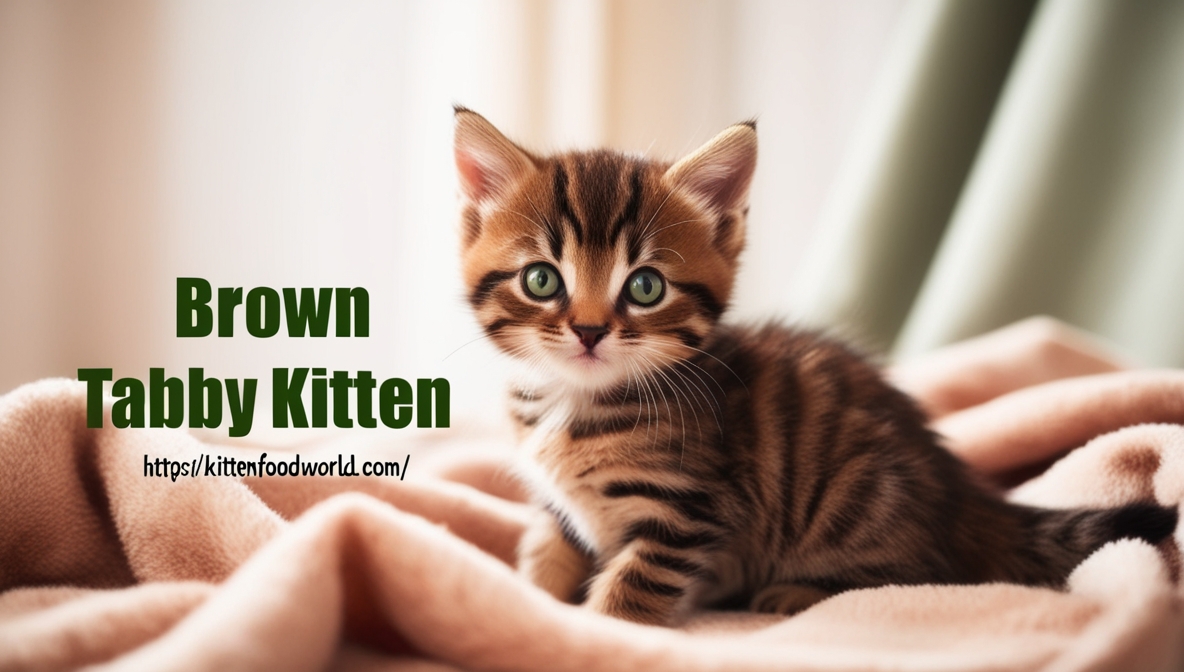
[(719, 172), (487, 161)]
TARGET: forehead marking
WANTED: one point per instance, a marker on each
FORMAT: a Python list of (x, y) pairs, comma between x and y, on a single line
[(561, 199), (629, 216)]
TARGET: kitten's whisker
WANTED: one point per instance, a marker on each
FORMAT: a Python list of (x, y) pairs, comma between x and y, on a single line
[(715, 408), (699, 391), (654, 216), (685, 392), (529, 219), (686, 362), (664, 399), (734, 374), (682, 419), (650, 401), (549, 226), (639, 400), (670, 226), (482, 336), (667, 249), (712, 402)]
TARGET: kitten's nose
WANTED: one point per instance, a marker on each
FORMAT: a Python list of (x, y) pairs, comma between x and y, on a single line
[(589, 336)]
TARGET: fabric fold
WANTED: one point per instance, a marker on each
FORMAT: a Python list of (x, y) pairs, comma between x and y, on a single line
[(103, 565)]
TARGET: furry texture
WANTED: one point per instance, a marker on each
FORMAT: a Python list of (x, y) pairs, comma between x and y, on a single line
[(679, 461), (104, 567)]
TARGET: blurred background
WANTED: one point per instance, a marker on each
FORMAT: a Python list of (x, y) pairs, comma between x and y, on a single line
[(929, 170)]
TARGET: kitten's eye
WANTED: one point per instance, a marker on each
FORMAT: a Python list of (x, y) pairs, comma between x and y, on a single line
[(541, 280), (645, 287)]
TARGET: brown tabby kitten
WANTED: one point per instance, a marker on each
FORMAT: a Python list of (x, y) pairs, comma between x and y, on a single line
[(682, 462)]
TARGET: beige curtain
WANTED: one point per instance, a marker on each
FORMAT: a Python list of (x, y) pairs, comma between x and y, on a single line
[(308, 144), (1015, 160)]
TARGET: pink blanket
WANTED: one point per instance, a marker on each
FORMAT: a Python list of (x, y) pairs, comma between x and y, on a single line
[(102, 566)]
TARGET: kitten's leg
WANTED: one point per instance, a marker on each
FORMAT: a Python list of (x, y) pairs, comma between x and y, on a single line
[(787, 598), (645, 585), (549, 561)]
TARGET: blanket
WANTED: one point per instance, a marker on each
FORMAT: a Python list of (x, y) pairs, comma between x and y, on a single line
[(103, 566)]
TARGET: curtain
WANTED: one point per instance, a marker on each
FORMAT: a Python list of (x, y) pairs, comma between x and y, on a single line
[(1014, 160), (307, 143)]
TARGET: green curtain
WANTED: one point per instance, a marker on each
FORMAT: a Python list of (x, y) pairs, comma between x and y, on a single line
[(1017, 158)]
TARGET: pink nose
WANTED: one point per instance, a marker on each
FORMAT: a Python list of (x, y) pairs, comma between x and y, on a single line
[(589, 336)]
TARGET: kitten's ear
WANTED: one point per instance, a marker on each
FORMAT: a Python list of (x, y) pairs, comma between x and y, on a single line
[(488, 163), (720, 171)]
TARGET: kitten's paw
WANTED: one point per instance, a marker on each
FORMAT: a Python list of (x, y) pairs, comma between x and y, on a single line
[(562, 580), (643, 611), (786, 598), (549, 562)]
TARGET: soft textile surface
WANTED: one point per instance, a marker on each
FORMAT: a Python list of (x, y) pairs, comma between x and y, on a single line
[(102, 566)]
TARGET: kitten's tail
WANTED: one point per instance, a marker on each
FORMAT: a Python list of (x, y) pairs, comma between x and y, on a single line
[(1061, 539)]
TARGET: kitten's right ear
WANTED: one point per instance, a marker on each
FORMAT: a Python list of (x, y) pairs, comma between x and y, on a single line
[(720, 171), (487, 162)]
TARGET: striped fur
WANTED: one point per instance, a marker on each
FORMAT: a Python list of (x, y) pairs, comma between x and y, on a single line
[(682, 462)]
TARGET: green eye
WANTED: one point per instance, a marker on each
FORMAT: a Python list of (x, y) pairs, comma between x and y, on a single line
[(541, 281), (645, 287)]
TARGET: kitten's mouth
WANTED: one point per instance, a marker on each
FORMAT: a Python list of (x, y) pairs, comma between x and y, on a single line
[(589, 358)]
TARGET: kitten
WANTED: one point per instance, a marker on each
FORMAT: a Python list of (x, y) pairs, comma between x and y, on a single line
[(681, 462)]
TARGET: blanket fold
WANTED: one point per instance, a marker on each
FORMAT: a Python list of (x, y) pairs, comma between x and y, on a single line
[(104, 566)]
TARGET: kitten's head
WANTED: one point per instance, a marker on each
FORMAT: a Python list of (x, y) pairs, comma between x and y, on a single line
[(599, 266)]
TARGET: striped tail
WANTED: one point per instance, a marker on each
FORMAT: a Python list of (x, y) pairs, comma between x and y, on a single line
[(1061, 539)]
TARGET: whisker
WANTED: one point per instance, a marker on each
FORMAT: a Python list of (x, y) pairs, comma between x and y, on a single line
[(482, 336), (670, 226), (734, 374), (667, 249)]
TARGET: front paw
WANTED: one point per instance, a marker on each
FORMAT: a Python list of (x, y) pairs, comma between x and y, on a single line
[(787, 598), (561, 579), (549, 562), (631, 596)]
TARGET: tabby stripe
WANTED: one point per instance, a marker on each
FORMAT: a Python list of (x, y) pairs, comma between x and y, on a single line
[(634, 607), (1033, 551), (565, 204), (694, 504), (859, 500), (662, 533), (565, 526), (1069, 528), (832, 427), (635, 579), (625, 394), (524, 394), (525, 420), (497, 325), (487, 284), (555, 239), (583, 429), (789, 423), (629, 214), (671, 562), (703, 296), (687, 337), (633, 248)]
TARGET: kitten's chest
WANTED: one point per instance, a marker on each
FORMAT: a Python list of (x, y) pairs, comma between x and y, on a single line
[(569, 476)]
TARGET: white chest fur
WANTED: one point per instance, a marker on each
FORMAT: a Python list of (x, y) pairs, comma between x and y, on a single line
[(544, 479)]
